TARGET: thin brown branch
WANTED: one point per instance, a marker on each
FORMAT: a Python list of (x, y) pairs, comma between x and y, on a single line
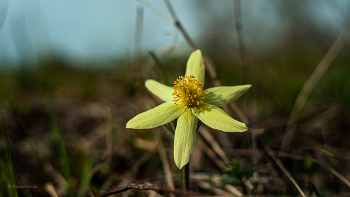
[(309, 86), (147, 187)]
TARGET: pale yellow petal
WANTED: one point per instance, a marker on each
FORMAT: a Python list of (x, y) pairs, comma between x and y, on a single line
[(155, 117), (216, 118), (162, 91), (220, 96), (184, 138), (195, 66)]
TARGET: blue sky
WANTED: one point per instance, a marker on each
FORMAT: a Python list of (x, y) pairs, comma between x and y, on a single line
[(84, 29)]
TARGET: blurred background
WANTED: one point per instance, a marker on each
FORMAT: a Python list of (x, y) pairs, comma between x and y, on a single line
[(72, 74)]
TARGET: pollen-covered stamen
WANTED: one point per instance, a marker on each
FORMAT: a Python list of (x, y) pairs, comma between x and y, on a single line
[(188, 92)]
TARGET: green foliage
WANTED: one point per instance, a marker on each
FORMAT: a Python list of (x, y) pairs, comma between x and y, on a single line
[(238, 173), (314, 190), (57, 137), (7, 174), (86, 178), (309, 165)]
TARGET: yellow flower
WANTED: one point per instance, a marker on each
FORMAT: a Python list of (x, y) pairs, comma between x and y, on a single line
[(188, 102)]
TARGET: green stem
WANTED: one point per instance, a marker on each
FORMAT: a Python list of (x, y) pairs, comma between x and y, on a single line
[(185, 177)]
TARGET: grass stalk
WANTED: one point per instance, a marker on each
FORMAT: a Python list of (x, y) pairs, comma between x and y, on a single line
[(6, 165), (57, 136)]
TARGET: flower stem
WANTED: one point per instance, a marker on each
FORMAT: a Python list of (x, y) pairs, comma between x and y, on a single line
[(184, 173)]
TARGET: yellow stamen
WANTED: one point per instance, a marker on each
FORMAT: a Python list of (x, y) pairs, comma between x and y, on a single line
[(188, 92)]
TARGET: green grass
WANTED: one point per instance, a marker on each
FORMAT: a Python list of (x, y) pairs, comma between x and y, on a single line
[(58, 139), (7, 174)]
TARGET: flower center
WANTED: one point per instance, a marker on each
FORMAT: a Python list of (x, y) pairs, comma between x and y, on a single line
[(188, 92)]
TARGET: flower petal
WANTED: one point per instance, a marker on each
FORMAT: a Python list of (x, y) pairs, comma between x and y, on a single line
[(220, 96), (195, 66), (162, 91), (155, 117), (184, 138), (216, 118)]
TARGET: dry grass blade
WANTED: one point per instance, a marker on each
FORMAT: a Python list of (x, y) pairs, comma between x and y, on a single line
[(216, 180), (279, 163), (309, 86), (241, 47), (321, 163), (164, 160), (61, 188), (208, 151), (233, 190), (214, 144), (50, 189), (209, 187)]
